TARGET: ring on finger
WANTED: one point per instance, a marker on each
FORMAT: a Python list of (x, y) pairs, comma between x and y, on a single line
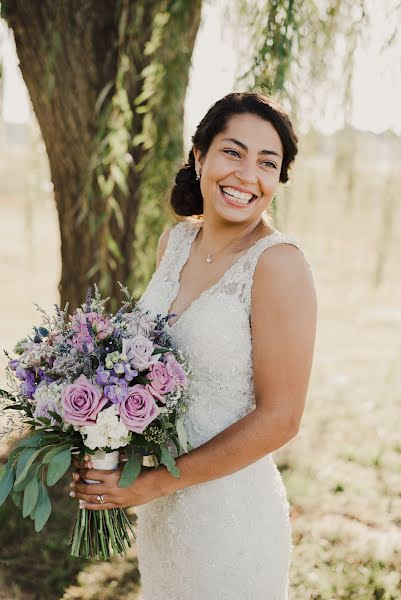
[(100, 498)]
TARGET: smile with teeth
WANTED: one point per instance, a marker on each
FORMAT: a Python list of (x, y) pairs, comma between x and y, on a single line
[(235, 196)]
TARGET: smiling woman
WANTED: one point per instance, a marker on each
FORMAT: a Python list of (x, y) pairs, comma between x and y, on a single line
[(244, 308)]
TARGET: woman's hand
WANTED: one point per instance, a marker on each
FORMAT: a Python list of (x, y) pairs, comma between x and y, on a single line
[(145, 488)]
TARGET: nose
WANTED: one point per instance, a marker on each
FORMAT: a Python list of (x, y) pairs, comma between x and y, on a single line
[(246, 172)]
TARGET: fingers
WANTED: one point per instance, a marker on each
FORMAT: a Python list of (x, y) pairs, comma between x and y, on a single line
[(91, 489), (85, 464)]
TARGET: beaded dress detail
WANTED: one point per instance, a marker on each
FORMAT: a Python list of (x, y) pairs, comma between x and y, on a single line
[(229, 538)]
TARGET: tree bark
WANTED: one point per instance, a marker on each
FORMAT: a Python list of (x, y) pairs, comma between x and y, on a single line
[(70, 56)]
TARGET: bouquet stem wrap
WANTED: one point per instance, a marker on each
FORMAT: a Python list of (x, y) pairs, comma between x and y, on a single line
[(101, 534)]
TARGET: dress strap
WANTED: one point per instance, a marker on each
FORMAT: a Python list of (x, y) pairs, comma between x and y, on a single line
[(253, 256), (178, 248)]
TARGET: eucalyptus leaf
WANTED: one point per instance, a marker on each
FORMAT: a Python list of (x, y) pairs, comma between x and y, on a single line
[(42, 510), (25, 461), (17, 497), (21, 485), (58, 466), (32, 441), (52, 452), (131, 470), (6, 483), (31, 494), (168, 460)]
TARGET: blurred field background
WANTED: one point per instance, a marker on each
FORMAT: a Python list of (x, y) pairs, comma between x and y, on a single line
[(342, 472)]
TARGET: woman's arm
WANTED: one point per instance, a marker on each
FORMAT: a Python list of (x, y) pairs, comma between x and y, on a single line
[(283, 322)]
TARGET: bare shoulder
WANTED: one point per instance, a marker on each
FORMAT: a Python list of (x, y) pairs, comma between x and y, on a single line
[(162, 245), (283, 276)]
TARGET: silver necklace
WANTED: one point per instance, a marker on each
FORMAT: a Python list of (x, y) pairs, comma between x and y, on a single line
[(210, 256)]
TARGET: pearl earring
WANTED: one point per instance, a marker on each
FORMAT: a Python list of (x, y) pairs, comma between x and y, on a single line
[(197, 175)]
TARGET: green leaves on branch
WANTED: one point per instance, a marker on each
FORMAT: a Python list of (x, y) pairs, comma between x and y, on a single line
[(23, 476)]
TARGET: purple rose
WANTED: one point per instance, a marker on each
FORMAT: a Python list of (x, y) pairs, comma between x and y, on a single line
[(138, 409), (175, 369), (161, 381), (82, 401), (139, 352)]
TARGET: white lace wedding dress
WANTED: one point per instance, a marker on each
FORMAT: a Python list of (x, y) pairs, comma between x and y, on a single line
[(229, 538)]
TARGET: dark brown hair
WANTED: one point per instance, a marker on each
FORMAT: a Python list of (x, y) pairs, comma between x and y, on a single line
[(186, 198)]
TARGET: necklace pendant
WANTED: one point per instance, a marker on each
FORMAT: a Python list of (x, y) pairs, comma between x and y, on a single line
[(209, 258)]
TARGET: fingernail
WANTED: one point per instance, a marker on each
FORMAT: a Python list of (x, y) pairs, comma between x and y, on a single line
[(75, 476), (81, 504), (72, 484), (86, 457), (72, 494)]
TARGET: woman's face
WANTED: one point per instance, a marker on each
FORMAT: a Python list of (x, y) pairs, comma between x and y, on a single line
[(241, 170)]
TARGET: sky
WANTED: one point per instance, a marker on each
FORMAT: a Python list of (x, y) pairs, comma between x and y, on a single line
[(376, 83)]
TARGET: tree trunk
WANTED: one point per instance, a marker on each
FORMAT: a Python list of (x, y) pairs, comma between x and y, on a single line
[(85, 64)]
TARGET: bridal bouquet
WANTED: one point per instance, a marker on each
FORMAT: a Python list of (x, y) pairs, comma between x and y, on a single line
[(93, 383)]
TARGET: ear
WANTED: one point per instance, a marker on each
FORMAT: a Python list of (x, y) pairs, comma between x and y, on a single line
[(198, 159)]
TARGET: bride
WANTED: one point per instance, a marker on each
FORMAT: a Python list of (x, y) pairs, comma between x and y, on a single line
[(243, 310)]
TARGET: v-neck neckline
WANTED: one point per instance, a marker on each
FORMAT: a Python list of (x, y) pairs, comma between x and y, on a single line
[(208, 290)]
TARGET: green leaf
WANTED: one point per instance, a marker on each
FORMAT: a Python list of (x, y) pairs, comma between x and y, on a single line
[(3, 470), (17, 497), (44, 420), (31, 494), (58, 466), (6, 483), (42, 510), (168, 460), (182, 434), (52, 452), (131, 470), (55, 416), (24, 462), (21, 485), (175, 442), (33, 441)]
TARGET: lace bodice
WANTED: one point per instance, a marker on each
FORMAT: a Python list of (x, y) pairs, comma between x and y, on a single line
[(214, 332)]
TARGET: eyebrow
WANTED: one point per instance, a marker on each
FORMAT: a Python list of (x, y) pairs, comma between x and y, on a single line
[(242, 145)]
